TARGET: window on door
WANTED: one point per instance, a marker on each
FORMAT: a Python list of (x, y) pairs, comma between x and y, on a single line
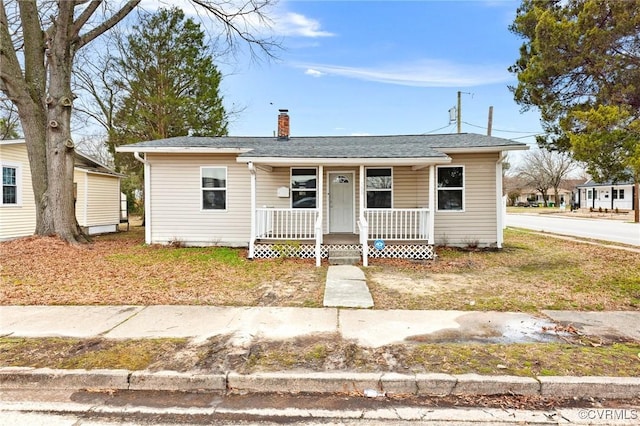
[(379, 188)]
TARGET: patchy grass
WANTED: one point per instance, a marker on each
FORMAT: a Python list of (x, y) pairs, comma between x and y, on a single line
[(531, 273), (324, 354), (118, 269), (87, 353)]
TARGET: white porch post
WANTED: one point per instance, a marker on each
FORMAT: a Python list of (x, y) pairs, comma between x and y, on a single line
[(252, 237), (364, 226), (432, 205), (320, 207)]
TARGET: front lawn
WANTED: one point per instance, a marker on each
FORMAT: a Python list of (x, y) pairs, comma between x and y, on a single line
[(532, 272)]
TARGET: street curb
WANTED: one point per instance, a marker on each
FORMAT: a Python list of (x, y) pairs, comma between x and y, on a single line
[(386, 383)]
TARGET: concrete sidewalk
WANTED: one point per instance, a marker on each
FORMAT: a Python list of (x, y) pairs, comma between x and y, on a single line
[(371, 328)]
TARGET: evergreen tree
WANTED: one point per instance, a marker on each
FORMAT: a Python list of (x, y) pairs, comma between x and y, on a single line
[(579, 65), (172, 84)]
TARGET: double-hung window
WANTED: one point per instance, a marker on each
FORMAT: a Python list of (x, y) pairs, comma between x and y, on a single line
[(618, 194), (450, 188), (213, 188), (304, 188), (379, 188), (9, 185)]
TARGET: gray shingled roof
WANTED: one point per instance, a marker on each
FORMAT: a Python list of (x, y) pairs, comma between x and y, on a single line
[(398, 146)]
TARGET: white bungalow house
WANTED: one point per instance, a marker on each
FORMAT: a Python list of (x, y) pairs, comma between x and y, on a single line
[(606, 195), (384, 196), (97, 191)]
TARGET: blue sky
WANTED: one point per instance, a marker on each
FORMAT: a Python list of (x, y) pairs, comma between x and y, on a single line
[(383, 67)]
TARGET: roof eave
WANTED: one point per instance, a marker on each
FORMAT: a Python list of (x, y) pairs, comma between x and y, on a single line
[(481, 149), (331, 161), (181, 150)]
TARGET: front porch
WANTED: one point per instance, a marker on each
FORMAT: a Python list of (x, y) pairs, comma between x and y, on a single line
[(382, 233)]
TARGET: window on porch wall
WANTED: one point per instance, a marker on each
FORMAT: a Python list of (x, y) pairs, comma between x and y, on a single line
[(303, 188), (450, 182), (379, 188)]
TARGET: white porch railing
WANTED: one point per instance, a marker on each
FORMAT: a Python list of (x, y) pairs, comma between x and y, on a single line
[(286, 224), (397, 224)]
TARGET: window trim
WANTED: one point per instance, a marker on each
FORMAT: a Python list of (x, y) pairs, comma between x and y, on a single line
[(18, 169), (225, 189), (291, 169), (463, 188), (366, 188)]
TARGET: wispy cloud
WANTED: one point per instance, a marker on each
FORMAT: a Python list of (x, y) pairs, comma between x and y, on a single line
[(297, 25), (314, 73), (277, 21), (424, 73)]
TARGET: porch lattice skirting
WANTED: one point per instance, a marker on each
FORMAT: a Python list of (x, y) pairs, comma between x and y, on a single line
[(307, 251)]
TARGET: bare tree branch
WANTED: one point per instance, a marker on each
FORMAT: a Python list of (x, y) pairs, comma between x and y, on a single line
[(108, 24)]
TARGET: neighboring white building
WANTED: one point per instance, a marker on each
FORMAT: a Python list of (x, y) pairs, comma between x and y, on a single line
[(97, 193), (384, 196), (606, 195)]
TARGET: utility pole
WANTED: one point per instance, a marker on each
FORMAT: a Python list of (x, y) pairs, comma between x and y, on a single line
[(490, 122), (459, 112)]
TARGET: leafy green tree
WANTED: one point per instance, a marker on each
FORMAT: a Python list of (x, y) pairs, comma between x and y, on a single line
[(578, 57)]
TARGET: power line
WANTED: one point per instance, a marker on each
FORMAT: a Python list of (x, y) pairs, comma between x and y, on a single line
[(498, 130), (435, 130)]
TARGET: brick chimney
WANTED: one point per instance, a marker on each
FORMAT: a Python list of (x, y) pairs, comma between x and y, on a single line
[(283, 124)]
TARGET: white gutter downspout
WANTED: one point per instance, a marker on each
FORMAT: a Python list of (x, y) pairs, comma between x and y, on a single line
[(252, 237), (432, 205), (501, 208), (147, 196)]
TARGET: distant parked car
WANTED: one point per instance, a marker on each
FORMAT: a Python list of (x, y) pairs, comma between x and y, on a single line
[(522, 204), (534, 204)]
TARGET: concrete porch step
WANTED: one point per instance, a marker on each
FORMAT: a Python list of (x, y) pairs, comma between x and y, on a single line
[(344, 257)]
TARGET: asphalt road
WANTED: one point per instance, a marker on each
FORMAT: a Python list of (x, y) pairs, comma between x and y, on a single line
[(108, 408), (598, 229)]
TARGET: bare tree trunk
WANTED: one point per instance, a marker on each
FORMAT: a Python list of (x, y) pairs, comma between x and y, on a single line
[(33, 116), (60, 146)]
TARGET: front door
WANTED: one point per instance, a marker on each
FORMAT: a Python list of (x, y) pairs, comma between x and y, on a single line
[(341, 199)]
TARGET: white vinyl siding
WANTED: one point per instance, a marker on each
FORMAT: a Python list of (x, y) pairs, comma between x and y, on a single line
[(478, 223), (410, 188), (176, 214), (18, 220), (98, 199), (176, 201)]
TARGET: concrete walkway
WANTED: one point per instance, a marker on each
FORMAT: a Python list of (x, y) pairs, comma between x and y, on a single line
[(346, 287)]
